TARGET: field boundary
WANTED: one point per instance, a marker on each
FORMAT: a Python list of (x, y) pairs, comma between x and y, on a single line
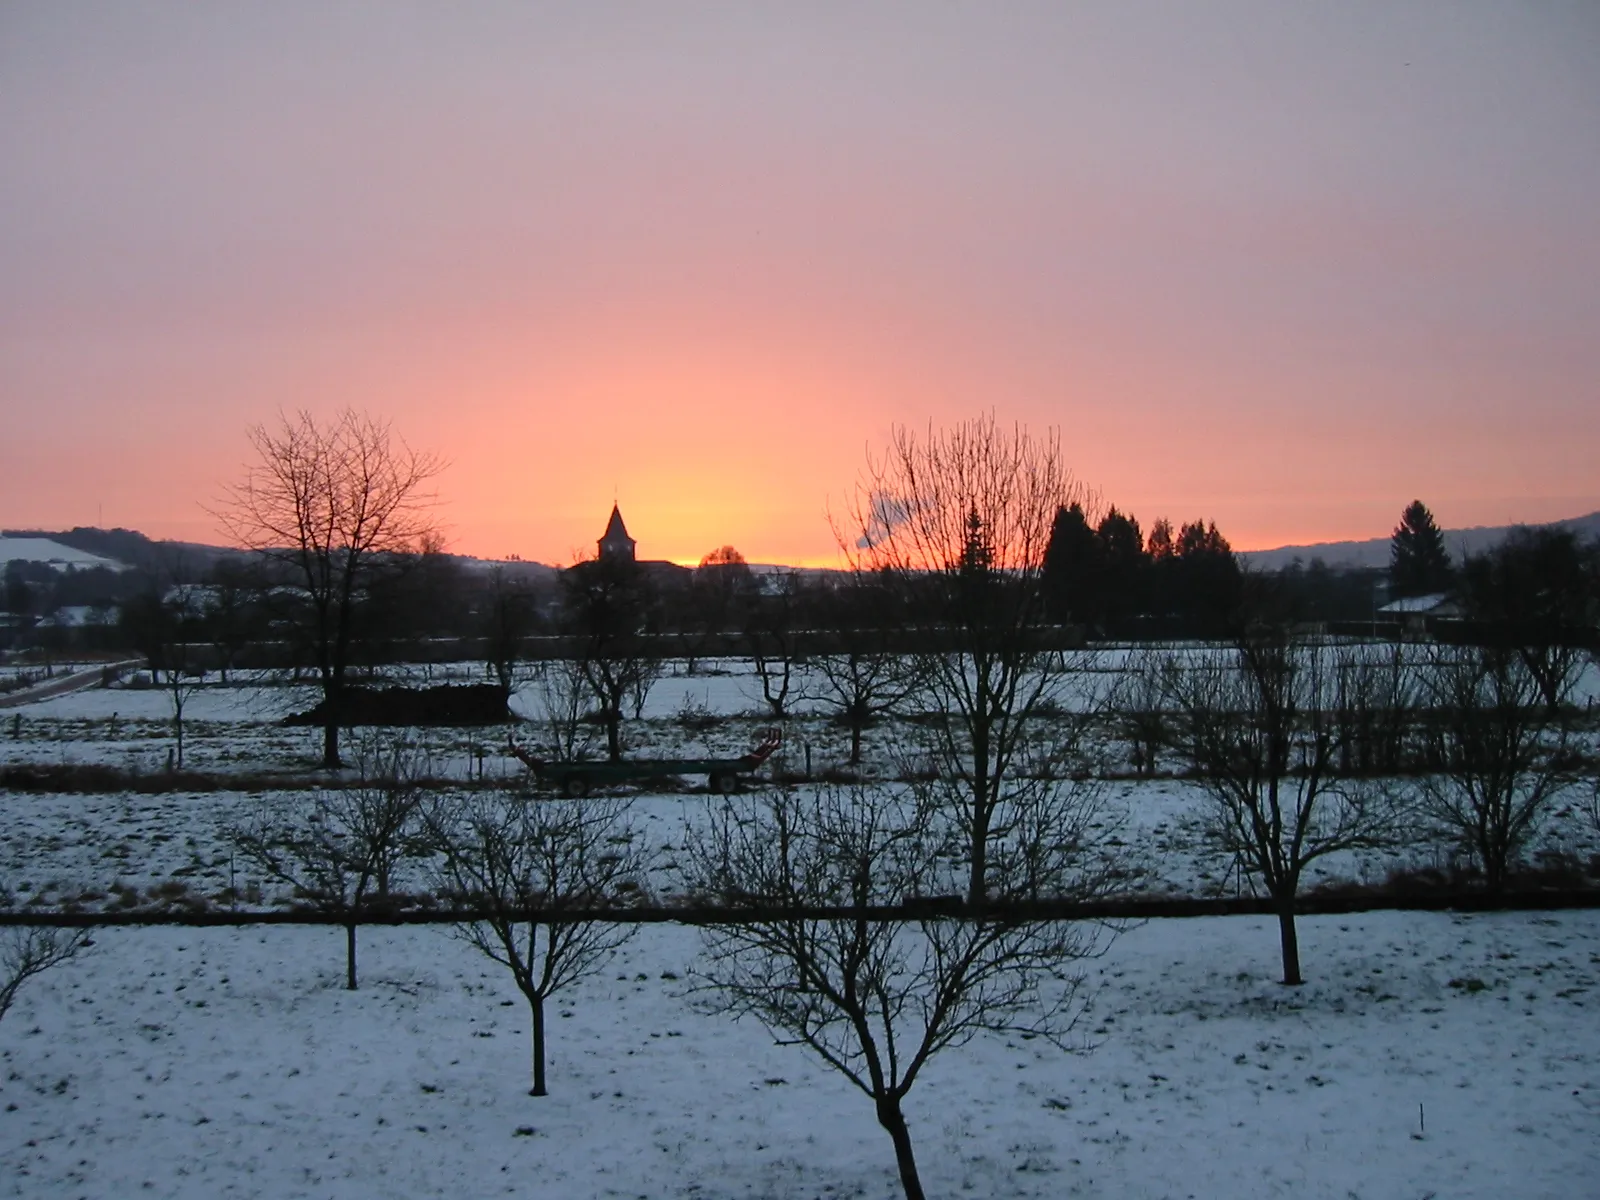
[(952, 909)]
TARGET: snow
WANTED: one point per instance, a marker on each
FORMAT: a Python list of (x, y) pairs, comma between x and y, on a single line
[(44, 550), (1416, 604), (1429, 1053), (90, 841), (204, 1063)]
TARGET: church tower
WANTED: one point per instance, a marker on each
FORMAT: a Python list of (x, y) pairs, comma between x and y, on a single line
[(615, 544)]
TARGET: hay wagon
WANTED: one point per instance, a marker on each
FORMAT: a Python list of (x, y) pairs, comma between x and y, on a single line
[(578, 778)]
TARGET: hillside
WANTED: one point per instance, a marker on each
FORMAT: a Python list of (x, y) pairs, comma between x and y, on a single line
[(120, 548), (51, 552), (1374, 552)]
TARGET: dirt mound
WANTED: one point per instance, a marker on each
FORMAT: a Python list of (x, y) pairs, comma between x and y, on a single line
[(450, 704)]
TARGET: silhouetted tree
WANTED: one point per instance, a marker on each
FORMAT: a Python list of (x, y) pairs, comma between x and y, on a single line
[(166, 626), (724, 570), (606, 603), (341, 507), (1418, 562), (1199, 581), (29, 950), (1123, 565), (234, 614), (1073, 568), (957, 523), (342, 857), (1499, 761), (19, 595), (1262, 728), (1159, 544), (775, 621), (861, 677), (525, 867), (509, 615), (875, 999), (718, 595), (1533, 593)]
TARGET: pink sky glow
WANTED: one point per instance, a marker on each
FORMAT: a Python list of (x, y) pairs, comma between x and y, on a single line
[(1285, 268)]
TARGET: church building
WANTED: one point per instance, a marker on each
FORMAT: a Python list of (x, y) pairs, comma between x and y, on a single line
[(615, 544), (617, 547)]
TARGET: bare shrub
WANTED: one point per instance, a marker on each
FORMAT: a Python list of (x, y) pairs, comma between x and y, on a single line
[(1263, 725), (1501, 755), (529, 869), (342, 857), (874, 999), (30, 950)]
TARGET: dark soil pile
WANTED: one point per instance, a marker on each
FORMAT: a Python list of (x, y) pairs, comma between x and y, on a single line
[(451, 704)]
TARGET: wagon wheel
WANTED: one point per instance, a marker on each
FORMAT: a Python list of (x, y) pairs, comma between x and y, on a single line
[(575, 786), (722, 782)]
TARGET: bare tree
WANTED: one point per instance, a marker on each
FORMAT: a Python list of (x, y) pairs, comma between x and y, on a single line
[(510, 615), (340, 507), (607, 604), (861, 677), (233, 613), (719, 591), (874, 999), (1262, 726), (167, 628), (1534, 593), (958, 522), (343, 857), (530, 869), (29, 950), (1500, 757), (1138, 712), (773, 623), (562, 693)]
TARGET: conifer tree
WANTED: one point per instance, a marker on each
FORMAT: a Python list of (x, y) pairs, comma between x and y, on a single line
[(1418, 562), (1072, 567)]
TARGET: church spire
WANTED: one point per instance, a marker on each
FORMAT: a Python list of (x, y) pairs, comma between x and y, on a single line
[(615, 544)]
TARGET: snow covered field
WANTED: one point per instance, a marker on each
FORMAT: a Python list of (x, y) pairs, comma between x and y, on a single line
[(1429, 1054), (88, 841), (207, 1063), (52, 553)]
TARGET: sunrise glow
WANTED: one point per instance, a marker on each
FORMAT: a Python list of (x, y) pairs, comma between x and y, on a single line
[(1285, 275)]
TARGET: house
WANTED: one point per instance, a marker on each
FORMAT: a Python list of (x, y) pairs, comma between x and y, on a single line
[(1418, 614)]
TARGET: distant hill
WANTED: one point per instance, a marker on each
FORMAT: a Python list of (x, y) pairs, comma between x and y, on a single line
[(52, 552), (86, 546), (1374, 552), (126, 547)]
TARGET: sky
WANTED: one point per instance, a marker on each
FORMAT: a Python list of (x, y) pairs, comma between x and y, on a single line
[(1281, 266)]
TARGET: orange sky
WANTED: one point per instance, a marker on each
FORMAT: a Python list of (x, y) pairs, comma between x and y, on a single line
[(1282, 270)]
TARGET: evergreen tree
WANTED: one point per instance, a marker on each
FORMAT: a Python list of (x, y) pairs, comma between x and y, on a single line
[(1204, 579), (1418, 562), (1122, 556), (1072, 583), (1159, 544)]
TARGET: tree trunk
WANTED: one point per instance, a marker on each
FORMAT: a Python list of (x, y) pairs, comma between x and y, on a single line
[(855, 743), (614, 734), (350, 957), (330, 746), (1290, 942), (978, 881), (537, 1004), (1494, 869), (890, 1117)]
